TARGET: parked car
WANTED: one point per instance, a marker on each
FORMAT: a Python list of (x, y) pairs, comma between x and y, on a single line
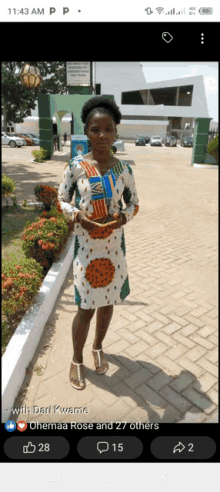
[(34, 138), (12, 140), (187, 142), (170, 141), (118, 145), (147, 140), (156, 141), (140, 141), (28, 140)]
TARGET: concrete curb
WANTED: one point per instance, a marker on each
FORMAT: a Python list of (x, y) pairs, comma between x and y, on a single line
[(23, 343), (209, 166)]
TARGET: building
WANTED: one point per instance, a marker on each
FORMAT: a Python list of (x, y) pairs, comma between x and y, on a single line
[(160, 108)]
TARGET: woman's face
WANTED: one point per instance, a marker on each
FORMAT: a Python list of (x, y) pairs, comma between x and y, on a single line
[(101, 131)]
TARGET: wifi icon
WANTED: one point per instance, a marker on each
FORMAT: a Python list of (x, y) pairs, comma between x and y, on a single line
[(159, 10)]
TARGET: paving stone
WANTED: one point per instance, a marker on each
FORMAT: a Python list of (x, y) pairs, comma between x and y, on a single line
[(159, 381), (176, 352), (208, 366), (205, 383), (137, 349), (203, 403), (193, 416), (206, 331), (196, 353), (138, 378), (185, 379), (175, 399), (172, 328), (158, 349)]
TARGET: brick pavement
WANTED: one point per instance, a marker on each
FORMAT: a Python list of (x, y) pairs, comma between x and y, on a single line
[(162, 344)]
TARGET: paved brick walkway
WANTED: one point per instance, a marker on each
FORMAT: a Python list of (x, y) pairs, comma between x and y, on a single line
[(162, 344)]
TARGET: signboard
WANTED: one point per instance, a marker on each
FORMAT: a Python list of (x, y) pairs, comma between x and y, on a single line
[(79, 74), (79, 145)]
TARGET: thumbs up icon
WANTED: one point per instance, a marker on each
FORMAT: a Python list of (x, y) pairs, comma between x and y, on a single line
[(30, 448)]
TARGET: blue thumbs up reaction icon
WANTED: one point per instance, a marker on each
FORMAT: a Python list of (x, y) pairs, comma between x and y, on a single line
[(10, 425)]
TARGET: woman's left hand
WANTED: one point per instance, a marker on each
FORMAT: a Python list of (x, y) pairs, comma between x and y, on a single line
[(119, 220)]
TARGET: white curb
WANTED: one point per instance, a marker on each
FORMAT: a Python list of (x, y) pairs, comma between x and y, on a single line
[(23, 343), (210, 166)]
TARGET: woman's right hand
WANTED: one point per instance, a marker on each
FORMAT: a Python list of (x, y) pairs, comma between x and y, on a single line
[(88, 225)]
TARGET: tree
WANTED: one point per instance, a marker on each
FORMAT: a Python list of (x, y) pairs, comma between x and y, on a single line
[(17, 101)]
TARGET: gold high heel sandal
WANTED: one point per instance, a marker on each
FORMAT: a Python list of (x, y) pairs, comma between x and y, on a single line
[(101, 365), (76, 376)]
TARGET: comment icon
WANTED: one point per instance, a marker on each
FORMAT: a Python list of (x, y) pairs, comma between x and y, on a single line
[(102, 446)]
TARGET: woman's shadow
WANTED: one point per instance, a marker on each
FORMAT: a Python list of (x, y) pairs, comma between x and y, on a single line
[(146, 385)]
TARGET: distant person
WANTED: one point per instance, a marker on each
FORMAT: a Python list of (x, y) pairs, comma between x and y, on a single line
[(64, 138), (99, 182)]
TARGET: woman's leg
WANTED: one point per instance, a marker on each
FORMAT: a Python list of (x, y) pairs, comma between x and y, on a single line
[(80, 329), (104, 316)]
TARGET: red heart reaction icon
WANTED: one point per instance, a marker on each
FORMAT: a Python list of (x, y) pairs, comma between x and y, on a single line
[(21, 425)]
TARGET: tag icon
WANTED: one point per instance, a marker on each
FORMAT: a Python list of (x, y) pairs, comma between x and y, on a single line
[(166, 36)]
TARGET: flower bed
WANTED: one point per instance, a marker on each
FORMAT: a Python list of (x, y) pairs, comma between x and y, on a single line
[(43, 240)]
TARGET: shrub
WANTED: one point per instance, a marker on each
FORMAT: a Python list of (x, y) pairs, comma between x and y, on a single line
[(44, 239), (8, 185), (41, 155), (46, 194), (19, 285), (212, 148)]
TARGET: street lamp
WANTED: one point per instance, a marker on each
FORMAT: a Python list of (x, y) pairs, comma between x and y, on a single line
[(30, 76)]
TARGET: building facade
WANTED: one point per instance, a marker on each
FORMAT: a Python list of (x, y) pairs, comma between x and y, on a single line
[(160, 108)]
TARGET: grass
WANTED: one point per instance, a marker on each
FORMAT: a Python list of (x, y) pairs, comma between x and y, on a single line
[(13, 225)]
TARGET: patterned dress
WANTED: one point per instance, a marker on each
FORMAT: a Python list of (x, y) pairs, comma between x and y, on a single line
[(99, 264)]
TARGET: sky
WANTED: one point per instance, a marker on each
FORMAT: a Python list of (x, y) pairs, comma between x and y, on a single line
[(174, 70)]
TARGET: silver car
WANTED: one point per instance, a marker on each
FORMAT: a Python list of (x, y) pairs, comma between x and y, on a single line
[(118, 145), (8, 139), (156, 141), (171, 141)]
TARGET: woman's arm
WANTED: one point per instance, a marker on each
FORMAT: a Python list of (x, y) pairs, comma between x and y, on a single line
[(66, 191), (130, 196)]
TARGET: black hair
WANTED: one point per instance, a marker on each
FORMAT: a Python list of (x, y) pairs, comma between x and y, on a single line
[(102, 104)]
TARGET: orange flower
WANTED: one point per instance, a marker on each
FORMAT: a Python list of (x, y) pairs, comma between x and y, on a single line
[(50, 234), (40, 233), (32, 238), (8, 283), (40, 242), (18, 267), (53, 219), (45, 214)]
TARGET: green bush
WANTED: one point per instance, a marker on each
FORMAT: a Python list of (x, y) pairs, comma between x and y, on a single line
[(41, 155), (212, 148), (19, 285), (44, 239), (8, 185)]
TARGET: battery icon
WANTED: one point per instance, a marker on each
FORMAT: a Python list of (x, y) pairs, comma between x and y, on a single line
[(206, 10)]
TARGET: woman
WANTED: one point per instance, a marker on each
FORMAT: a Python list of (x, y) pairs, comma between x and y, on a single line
[(99, 181)]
